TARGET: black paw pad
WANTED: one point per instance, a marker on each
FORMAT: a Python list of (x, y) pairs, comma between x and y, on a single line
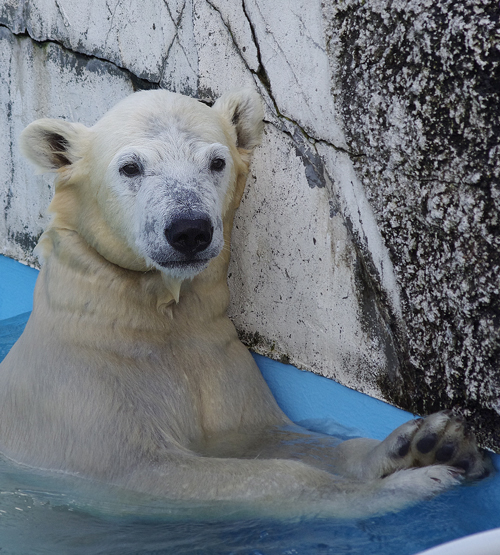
[(401, 448), (404, 448), (445, 452), (427, 443)]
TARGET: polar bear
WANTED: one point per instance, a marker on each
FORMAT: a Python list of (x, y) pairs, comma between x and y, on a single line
[(129, 371)]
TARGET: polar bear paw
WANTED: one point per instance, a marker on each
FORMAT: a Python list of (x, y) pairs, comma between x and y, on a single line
[(440, 439), (422, 483)]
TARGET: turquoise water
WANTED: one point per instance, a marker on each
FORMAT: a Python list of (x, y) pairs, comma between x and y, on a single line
[(56, 514), (43, 513)]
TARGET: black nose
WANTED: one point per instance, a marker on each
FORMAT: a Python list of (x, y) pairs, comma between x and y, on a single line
[(190, 236)]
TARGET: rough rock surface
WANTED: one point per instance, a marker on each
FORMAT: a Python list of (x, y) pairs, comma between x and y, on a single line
[(420, 98), (366, 246)]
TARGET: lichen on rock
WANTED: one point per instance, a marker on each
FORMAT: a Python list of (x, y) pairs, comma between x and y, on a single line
[(418, 84)]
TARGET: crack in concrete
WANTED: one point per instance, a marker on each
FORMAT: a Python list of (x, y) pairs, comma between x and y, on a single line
[(225, 23), (169, 12), (179, 17), (260, 74), (109, 9), (63, 14), (113, 13), (176, 24), (234, 41), (174, 39), (311, 139), (137, 82), (277, 49), (176, 34), (231, 34), (306, 34), (165, 59), (193, 69)]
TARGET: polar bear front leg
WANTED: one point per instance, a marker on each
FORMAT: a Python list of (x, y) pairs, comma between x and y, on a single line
[(439, 439), (282, 488)]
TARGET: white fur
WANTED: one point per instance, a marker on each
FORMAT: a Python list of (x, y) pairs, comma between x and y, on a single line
[(114, 381)]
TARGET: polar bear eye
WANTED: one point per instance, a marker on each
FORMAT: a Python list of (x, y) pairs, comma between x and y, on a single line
[(217, 164), (132, 169)]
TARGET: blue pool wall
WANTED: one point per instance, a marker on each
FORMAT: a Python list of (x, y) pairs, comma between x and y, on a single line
[(17, 283)]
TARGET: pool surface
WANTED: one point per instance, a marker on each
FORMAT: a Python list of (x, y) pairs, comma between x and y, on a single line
[(45, 513)]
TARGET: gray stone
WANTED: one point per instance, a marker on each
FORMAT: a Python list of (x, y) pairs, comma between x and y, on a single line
[(300, 293), (134, 36), (420, 99), (294, 62)]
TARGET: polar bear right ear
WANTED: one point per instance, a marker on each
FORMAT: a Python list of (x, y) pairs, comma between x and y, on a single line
[(51, 144), (243, 109)]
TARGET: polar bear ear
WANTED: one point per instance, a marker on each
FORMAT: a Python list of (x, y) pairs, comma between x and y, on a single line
[(243, 109), (51, 144)]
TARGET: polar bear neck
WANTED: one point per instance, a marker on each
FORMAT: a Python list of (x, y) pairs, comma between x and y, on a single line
[(77, 280)]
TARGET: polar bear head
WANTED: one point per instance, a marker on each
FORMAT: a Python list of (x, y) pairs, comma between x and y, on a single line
[(150, 184)]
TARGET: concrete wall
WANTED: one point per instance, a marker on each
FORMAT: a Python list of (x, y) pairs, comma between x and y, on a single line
[(366, 246)]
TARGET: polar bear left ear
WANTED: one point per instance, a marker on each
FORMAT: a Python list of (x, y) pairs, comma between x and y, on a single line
[(51, 144), (243, 109)]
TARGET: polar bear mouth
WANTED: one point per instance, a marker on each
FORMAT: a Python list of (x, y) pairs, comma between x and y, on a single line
[(183, 263), (193, 265)]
